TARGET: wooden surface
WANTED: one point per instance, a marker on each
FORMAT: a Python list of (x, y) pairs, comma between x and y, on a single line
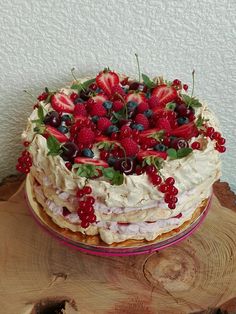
[(39, 275)]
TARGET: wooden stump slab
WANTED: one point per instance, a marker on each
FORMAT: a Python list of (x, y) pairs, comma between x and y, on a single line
[(39, 275)]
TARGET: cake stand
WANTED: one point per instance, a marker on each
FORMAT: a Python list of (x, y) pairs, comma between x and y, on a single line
[(94, 245)]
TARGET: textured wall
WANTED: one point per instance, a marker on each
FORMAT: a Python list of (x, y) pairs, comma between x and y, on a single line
[(42, 40)]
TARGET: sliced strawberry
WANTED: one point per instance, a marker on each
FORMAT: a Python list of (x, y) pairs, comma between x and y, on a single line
[(90, 161), (186, 131), (100, 98), (163, 124), (146, 133), (102, 138), (146, 153), (164, 94), (137, 97), (57, 134), (62, 103), (106, 80)]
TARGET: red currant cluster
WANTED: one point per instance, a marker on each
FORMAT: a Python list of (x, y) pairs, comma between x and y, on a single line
[(24, 162), (167, 187), (86, 209), (196, 145), (214, 135)]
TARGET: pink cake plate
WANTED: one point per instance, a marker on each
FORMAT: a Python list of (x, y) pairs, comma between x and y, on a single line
[(83, 244)]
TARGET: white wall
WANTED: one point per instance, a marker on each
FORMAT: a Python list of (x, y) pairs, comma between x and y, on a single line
[(40, 41)]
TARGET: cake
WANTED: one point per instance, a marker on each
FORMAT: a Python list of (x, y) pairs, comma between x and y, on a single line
[(121, 159)]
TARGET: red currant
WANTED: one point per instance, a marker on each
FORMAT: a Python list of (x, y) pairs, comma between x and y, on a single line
[(93, 86), (156, 180), (92, 218), (80, 193), (172, 190), (171, 205), (68, 165), (104, 154), (176, 82), (210, 130), (195, 145), (170, 181), (221, 149), (90, 200), (81, 212), (221, 141), (84, 224), (216, 136), (26, 143), (73, 96), (87, 190), (163, 188), (185, 87), (174, 199), (82, 205), (151, 169), (168, 198), (139, 170)]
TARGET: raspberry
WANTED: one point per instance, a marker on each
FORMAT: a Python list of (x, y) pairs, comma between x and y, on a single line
[(85, 136), (153, 101), (80, 110), (142, 119), (125, 131), (117, 105), (103, 124), (142, 107), (117, 89), (130, 147), (98, 110)]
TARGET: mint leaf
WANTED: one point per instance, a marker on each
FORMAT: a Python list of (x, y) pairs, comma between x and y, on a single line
[(105, 145), (172, 153), (153, 160), (86, 170), (54, 146), (147, 81), (82, 86), (200, 121), (114, 176), (183, 152), (170, 106), (191, 101)]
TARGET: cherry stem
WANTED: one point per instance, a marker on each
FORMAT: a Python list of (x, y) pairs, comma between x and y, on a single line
[(193, 74), (139, 74), (32, 96)]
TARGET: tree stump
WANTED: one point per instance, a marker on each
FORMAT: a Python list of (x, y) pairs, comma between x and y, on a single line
[(39, 275)]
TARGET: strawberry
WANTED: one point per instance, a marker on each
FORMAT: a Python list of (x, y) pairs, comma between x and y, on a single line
[(146, 133), (98, 110), (153, 101), (164, 94), (143, 106), (137, 97), (90, 161), (117, 105), (80, 110), (102, 138), (85, 136), (57, 134), (103, 124), (142, 119), (62, 103), (186, 131), (99, 98), (146, 153), (130, 146), (106, 80)]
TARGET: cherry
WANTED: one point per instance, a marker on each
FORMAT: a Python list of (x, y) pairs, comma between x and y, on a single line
[(126, 166), (52, 118), (179, 143), (69, 151), (195, 145), (170, 181)]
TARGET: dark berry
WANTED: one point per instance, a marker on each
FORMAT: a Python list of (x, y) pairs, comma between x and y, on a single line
[(87, 152), (179, 143), (111, 161), (126, 166), (131, 105), (84, 94), (95, 119), (182, 120), (138, 86), (148, 113), (160, 147), (69, 151), (107, 104), (65, 117), (52, 118), (78, 100), (137, 126), (63, 129), (112, 129)]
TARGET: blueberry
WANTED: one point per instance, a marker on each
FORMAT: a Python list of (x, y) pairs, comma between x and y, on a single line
[(112, 129), (95, 119), (107, 104), (98, 90), (65, 117), (138, 127), (87, 152), (148, 113), (78, 100), (160, 147), (148, 94), (63, 129), (131, 105), (183, 120), (111, 161)]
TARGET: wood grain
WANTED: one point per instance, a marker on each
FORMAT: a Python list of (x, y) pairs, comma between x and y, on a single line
[(39, 275)]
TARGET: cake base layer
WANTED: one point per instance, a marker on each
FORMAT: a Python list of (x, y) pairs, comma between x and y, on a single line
[(95, 240)]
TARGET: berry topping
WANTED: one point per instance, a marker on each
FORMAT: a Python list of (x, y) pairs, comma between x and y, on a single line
[(103, 124), (98, 110), (80, 110), (143, 120), (52, 118), (62, 103), (136, 97), (143, 106), (125, 165), (117, 105), (90, 161), (164, 94), (57, 134), (85, 136), (106, 80), (87, 152), (130, 147), (69, 151), (195, 145)]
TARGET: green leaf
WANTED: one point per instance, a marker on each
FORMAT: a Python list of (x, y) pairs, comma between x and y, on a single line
[(118, 178), (172, 153), (153, 160), (87, 83), (191, 101), (183, 152), (147, 81), (84, 85), (157, 135), (86, 170), (200, 121), (40, 114), (105, 145), (170, 106), (114, 176), (53, 145)]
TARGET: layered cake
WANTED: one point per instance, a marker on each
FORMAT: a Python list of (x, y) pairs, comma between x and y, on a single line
[(119, 158)]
